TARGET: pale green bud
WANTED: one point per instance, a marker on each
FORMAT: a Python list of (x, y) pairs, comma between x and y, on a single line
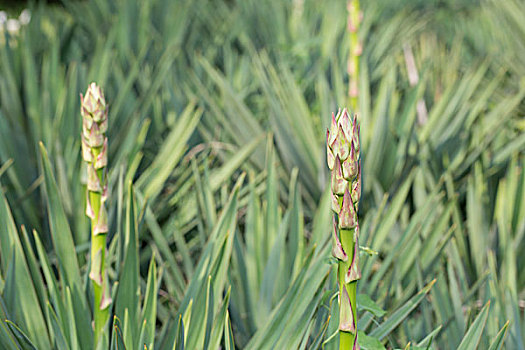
[(346, 314)]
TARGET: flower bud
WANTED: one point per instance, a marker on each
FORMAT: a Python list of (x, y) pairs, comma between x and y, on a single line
[(96, 266), (346, 313), (93, 183), (106, 295), (339, 184), (345, 123), (354, 273), (347, 215), (337, 248), (102, 223), (336, 206), (102, 157), (350, 165), (329, 154)]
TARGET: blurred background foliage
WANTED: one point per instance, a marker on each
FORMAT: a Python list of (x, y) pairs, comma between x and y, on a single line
[(205, 94)]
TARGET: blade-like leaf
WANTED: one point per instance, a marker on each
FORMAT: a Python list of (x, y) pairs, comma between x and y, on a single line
[(473, 335), (400, 314)]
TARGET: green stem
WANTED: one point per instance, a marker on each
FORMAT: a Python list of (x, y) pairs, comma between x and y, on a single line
[(98, 243), (100, 316), (346, 339), (354, 54)]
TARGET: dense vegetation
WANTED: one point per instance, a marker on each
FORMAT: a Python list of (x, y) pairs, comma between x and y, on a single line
[(218, 205)]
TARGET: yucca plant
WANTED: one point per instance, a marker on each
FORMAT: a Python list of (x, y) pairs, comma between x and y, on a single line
[(53, 311), (192, 110)]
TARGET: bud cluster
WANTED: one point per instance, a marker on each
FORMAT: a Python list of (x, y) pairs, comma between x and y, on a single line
[(343, 157), (94, 151)]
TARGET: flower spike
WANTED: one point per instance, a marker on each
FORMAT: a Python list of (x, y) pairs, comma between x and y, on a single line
[(93, 109), (343, 158)]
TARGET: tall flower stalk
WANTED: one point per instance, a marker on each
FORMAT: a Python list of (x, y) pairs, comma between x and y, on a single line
[(356, 48), (342, 145), (94, 152)]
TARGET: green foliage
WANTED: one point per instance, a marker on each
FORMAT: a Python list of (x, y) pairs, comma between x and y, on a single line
[(200, 94)]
